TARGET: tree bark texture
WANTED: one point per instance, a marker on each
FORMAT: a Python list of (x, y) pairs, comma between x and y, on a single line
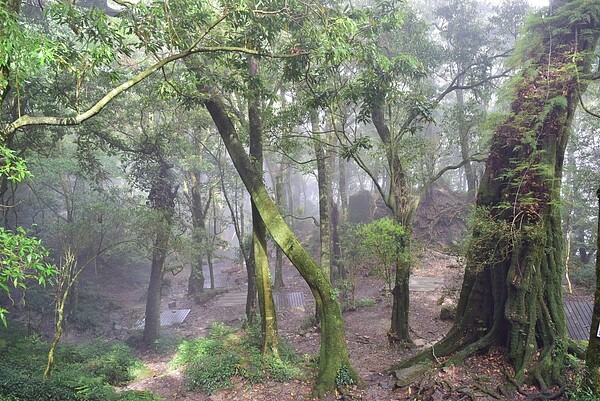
[(464, 140), (592, 357), (511, 294), (162, 199), (199, 211), (324, 186), (266, 303), (403, 207), (278, 283), (333, 354)]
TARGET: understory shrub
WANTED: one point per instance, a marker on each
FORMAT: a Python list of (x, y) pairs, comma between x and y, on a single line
[(212, 362), (85, 372), (583, 275), (365, 303), (131, 395)]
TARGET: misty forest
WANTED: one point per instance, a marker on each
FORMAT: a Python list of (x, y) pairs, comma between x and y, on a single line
[(299, 200)]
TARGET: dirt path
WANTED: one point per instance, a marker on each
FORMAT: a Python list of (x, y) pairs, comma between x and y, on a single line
[(366, 329)]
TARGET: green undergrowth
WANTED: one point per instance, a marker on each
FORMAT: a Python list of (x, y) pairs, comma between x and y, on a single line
[(359, 303), (212, 362), (583, 275), (166, 345), (83, 372)]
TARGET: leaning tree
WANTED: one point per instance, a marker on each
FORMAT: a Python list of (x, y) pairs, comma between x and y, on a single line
[(511, 294), (334, 361)]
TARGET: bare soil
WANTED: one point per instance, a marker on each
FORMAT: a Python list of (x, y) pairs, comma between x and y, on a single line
[(366, 327)]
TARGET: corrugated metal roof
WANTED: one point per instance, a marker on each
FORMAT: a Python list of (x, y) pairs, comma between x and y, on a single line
[(289, 299), (171, 317), (579, 319)]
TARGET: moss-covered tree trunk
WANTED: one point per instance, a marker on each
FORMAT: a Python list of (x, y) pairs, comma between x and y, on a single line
[(266, 303), (68, 274), (592, 357), (511, 294), (333, 354), (162, 199)]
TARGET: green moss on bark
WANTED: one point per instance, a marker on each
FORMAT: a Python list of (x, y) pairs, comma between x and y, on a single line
[(511, 294)]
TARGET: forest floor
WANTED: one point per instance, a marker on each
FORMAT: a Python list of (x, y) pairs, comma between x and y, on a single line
[(438, 277)]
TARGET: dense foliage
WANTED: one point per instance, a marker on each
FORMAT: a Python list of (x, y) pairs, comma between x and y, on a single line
[(85, 372), (213, 361), (379, 95)]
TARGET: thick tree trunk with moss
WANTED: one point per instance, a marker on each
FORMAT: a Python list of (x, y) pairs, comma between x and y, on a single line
[(592, 357), (511, 294), (162, 199), (266, 304), (334, 360)]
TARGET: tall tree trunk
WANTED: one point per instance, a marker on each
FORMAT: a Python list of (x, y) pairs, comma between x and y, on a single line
[(266, 304), (248, 256), (247, 259), (324, 186), (464, 140), (333, 354), (592, 357), (199, 210), (343, 189), (289, 197), (403, 207), (279, 199), (68, 274), (281, 171), (339, 214), (162, 199), (512, 294)]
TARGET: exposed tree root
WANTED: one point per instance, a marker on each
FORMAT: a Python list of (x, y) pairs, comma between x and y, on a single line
[(443, 355), (542, 396), (577, 349)]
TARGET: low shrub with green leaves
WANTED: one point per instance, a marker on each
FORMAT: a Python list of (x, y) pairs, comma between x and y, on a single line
[(365, 303), (113, 362), (383, 242), (582, 394), (212, 362), (83, 372), (344, 377), (131, 395)]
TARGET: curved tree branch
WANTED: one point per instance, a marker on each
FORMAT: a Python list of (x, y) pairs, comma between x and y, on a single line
[(28, 120), (439, 174), (584, 107)]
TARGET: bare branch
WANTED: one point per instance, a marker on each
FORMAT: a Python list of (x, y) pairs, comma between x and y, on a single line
[(303, 218), (474, 158), (357, 159)]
